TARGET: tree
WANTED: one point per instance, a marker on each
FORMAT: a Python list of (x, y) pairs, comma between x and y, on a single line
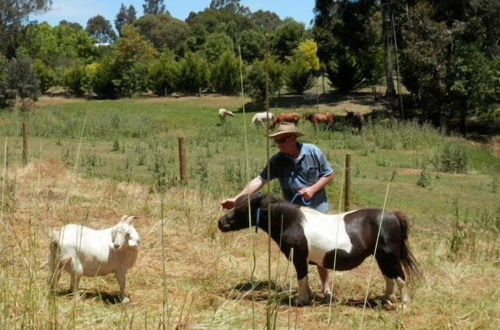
[(74, 79), (298, 78), (164, 31), (193, 73), (215, 45), (308, 49), (299, 72), (100, 28), (130, 67), (7, 95), (12, 17), (253, 45), (269, 70), (266, 20), (225, 74), (447, 63), (221, 21), (55, 49), (73, 25), (163, 74), (231, 5), (124, 16), (153, 7), (62, 45), (24, 80), (348, 35), (387, 16), (287, 37)]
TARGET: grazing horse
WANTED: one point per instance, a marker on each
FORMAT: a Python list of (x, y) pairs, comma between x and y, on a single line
[(291, 117), (326, 118), (355, 118), (223, 113), (339, 241), (261, 118)]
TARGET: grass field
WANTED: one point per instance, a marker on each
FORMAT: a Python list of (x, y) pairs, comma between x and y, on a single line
[(93, 161)]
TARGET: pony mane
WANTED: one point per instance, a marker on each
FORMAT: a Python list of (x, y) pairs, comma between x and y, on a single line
[(286, 211)]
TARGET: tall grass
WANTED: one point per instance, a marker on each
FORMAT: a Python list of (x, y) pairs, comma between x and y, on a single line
[(125, 161)]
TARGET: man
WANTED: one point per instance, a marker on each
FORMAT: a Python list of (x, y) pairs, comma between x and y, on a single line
[(300, 167)]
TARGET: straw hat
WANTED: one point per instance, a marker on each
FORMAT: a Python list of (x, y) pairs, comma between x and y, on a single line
[(286, 128)]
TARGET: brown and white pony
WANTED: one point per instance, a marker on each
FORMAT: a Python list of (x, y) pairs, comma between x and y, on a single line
[(291, 117), (326, 118), (339, 241)]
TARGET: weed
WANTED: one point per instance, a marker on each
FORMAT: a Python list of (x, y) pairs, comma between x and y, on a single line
[(451, 158), (116, 145), (424, 179), (494, 184)]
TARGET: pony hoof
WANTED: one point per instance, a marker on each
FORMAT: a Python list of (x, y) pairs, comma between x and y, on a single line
[(388, 305), (390, 299), (125, 300), (301, 302)]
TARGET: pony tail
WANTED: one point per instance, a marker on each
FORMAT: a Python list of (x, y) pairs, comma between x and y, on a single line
[(408, 260)]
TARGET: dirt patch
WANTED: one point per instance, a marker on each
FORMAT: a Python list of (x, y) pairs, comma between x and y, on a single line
[(495, 145), (45, 101), (409, 171)]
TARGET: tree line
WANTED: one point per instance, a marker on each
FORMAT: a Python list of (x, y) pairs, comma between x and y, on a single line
[(444, 53)]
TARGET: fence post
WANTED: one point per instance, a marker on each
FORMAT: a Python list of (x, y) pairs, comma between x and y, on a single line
[(182, 159), (347, 188), (25, 144)]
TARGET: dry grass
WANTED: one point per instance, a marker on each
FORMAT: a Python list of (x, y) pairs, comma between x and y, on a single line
[(208, 275)]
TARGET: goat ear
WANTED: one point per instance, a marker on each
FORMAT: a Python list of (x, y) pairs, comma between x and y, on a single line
[(129, 219)]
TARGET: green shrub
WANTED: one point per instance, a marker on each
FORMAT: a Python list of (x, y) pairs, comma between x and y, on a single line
[(46, 74), (74, 79), (163, 75), (193, 73), (256, 79), (452, 158), (225, 75), (424, 179), (298, 77)]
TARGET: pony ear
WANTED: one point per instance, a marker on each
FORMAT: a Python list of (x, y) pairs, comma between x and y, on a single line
[(266, 200)]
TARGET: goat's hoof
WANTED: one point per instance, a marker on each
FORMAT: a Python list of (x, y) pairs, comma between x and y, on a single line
[(125, 300), (405, 307)]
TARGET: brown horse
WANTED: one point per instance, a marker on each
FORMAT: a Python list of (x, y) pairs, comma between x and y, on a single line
[(356, 119), (326, 118), (330, 241), (291, 117)]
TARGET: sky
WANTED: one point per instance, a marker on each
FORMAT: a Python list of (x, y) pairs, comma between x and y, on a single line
[(80, 11)]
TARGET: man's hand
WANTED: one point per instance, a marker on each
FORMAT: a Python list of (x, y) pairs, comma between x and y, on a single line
[(228, 204), (307, 193)]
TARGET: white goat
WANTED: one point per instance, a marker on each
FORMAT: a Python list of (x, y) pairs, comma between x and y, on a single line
[(82, 251), (223, 113), (260, 118)]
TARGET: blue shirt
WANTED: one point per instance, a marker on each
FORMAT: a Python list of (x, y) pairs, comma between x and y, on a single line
[(295, 174)]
